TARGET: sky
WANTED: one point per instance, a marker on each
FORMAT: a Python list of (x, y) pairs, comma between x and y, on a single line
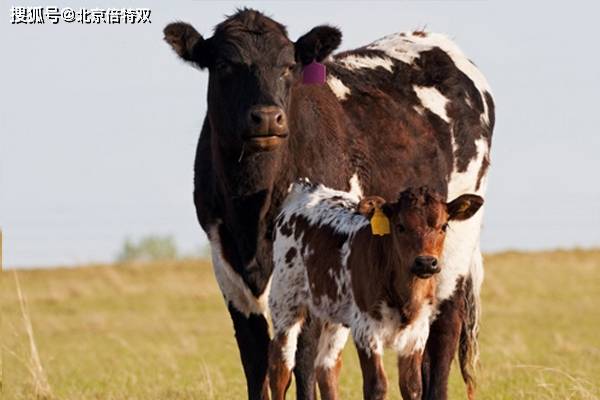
[(99, 123)]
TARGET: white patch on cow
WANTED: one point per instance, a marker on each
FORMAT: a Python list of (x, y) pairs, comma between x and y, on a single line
[(462, 238), (355, 62), (321, 205), (414, 337), (433, 100), (331, 343), (233, 287), (340, 90), (289, 349), (355, 188), (407, 47)]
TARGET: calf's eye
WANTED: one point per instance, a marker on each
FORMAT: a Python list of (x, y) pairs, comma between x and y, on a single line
[(445, 227), (400, 228)]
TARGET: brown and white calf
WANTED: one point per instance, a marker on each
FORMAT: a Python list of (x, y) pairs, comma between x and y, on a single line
[(330, 263)]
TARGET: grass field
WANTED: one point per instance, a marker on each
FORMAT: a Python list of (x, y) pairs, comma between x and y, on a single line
[(162, 332)]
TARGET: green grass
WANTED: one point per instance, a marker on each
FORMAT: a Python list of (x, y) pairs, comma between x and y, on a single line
[(162, 332)]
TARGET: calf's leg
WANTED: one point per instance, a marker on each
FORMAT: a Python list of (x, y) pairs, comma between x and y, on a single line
[(409, 374), (329, 361), (282, 353), (306, 353), (374, 379)]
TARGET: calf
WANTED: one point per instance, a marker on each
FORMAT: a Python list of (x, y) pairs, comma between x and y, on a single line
[(363, 264)]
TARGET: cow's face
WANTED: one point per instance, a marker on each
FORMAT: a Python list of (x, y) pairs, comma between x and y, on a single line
[(252, 67), (419, 221)]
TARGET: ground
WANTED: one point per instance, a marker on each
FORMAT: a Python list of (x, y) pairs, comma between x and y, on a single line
[(161, 331)]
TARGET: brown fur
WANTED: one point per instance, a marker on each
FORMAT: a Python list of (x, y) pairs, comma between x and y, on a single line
[(328, 380)]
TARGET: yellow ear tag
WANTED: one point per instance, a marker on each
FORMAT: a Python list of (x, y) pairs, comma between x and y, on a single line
[(380, 224)]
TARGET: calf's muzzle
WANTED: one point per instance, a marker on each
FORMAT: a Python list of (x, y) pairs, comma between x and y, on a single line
[(425, 266)]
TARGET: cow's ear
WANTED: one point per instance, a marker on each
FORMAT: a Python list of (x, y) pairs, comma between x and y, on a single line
[(188, 43), (368, 204), (317, 44), (464, 207)]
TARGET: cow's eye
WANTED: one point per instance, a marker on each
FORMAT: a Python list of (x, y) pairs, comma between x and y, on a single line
[(445, 227), (400, 228)]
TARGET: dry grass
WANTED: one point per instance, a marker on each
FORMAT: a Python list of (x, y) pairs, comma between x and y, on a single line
[(162, 332)]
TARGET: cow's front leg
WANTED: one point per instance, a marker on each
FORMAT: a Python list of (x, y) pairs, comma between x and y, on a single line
[(252, 335), (409, 374), (374, 379), (441, 346), (329, 361)]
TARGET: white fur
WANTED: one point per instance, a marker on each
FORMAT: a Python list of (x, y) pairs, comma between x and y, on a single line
[(289, 350), (340, 90), (355, 188), (233, 287), (331, 343), (317, 206), (433, 100), (414, 337), (356, 62)]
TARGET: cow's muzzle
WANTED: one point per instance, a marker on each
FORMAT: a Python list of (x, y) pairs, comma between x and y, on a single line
[(425, 267), (268, 127)]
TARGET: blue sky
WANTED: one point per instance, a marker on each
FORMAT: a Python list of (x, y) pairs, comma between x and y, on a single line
[(99, 124)]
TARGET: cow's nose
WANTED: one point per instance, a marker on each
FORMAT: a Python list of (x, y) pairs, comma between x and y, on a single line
[(425, 266), (267, 121)]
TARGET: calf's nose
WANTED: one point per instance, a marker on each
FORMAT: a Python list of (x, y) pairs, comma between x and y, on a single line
[(267, 121), (425, 266)]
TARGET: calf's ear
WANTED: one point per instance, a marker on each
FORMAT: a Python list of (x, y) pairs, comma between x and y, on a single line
[(188, 43), (368, 204), (464, 207), (317, 44)]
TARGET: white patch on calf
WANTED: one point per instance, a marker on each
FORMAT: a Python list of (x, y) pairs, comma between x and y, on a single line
[(233, 287), (340, 90), (355, 62), (413, 338), (331, 343), (291, 343), (433, 100)]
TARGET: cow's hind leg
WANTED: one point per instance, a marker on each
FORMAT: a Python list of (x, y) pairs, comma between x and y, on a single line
[(306, 353), (252, 335), (329, 361), (442, 345), (282, 355)]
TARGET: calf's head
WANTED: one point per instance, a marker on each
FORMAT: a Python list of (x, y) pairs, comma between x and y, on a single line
[(252, 66), (418, 221)]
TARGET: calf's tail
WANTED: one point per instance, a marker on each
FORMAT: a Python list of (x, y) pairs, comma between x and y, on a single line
[(468, 350)]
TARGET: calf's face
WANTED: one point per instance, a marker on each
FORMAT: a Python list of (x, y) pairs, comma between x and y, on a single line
[(419, 221), (252, 67)]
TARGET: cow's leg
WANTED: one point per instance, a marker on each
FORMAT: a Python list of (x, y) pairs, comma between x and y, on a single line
[(329, 361), (306, 353), (374, 379), (441, 346), (409, 374), (252, 335), (282, 355)]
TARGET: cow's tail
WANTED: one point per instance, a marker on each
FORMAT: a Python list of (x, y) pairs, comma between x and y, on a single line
[(468, 351)]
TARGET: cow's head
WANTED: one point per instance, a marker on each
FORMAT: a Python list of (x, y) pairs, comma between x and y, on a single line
[(252, 67), (418, 224)]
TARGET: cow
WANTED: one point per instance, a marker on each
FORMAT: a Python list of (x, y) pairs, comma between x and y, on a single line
[(407, 110), (333, 261)]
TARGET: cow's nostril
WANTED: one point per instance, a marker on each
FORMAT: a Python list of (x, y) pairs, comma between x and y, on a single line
[(256, 117), (434, 262)]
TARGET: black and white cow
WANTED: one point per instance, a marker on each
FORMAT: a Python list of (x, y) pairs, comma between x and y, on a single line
[(408, 110)]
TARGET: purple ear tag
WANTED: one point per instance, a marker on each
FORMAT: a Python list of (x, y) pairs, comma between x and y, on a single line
[(314, 74)]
